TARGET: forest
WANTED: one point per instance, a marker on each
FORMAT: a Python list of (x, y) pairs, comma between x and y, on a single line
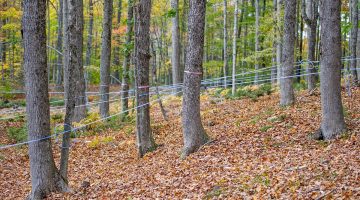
[(179, 99)]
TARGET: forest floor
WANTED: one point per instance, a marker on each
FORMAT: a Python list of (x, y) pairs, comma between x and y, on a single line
[(259, 151)]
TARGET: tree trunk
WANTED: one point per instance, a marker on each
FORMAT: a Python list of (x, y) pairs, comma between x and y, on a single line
[(233, 90), (354, 17), (183, 38), (2, 50), (48, 42), (175, 61), (194, 133), (118, 41), (274, 68), (105, 58), (287, 96), (71, 63), (257, 24), (225, 68), (299, 41), (310, 15), (89, 46), (145, 139), (45, 177), (90, 34), (155, 81), (80, 92), (126, 63), (2, 45), (333, 122), (279, 40)]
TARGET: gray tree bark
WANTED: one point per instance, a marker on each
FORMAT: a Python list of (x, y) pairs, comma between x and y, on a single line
[(89, 45), (225, 67), (118, 41), (354, 17), (2, 50), (59, 63), (193, 131), (257, 24), (90, 34), (310, 15), (333, 122), (145, 139), (45, 177), (184, 36), (279, 39), (126, 63), (105, 59), (71, 67), (48, 42), (287, 96), (274, 69), (175, 61), (236, 13), (80, 92), (155, 81)]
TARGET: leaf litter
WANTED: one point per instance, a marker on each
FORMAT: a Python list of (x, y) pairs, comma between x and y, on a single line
[(259, 151)]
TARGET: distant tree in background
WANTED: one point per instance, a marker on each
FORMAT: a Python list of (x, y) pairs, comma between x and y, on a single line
[(310, 15), (234, 46), (354, 19), (59, 46), (175, 59), (105, 59), (125, 85), (225, 65)]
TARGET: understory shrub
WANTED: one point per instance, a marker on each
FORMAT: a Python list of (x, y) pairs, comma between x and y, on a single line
[(18, 134)]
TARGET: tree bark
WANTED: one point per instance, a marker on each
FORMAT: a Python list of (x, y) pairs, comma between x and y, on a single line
[(225, 68), (90, 34), (175, 61), (59, 47), (183, 38), (354, 17), (126, 63), (233, 89), (48, 42), (274, 68), (299, 41), (45, 177), (105, 58), (2, 51), (71, 67), (310, 15), (155, 81), (333, 122), (118, 41), (89, 46), (287, 96), (80, 92), (145, 140), (193, 131), (257, 24), (279, 40)]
